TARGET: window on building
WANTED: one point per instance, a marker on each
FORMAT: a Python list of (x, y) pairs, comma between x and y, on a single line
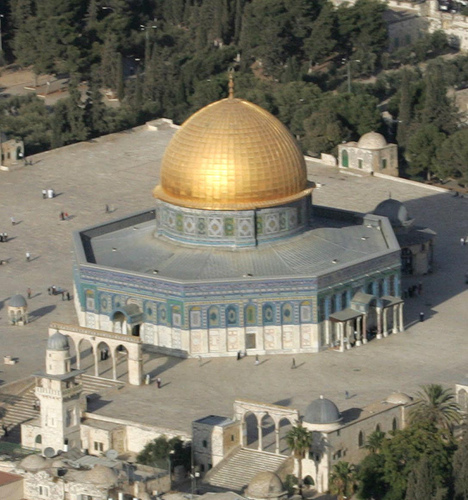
[(268, 314), (287, 314), (344, 300), (361, 439), (377, 428), (195, 318), (44, 491), (360, 163), (394, 424), (232, 437), (250, 315), (213, 317), (306, 312), (384, 163), (98, 446), (231, 316), (205, 443)]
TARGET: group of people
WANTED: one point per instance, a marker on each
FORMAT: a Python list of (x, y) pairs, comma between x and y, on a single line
[(63, 216), (413, 291), (48, 193), (3, 237), (53, 290)]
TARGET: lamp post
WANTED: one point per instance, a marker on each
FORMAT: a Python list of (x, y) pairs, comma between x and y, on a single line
[(348, 62), (194, 476), (147, 29), (1, 47), (169, 466)]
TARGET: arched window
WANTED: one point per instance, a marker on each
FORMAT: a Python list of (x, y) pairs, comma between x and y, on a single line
[(268, 314), (361, 439), (231, 316), (213, 317), (38, 439), (394, 424), (250, 315), (344, 158), (162, 314), (344, 300), (377, 428), (287, 314)]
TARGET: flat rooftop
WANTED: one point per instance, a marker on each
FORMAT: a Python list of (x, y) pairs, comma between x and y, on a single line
[(121, 170), (136, 247)]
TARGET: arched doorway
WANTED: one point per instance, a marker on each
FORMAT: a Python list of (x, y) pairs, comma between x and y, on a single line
[(86, 356), (406, 261), (251, 431), (104, 360), (268, 434), (119, 323), (284, 427), (121, 363), (344, 158)]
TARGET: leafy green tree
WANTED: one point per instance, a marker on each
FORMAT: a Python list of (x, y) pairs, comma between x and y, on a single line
[(421, 150), (437, 406), (452, 156), (158, 452), (343, 480), (322, 39), (404, 109), (420, 481), (437, 109), (405, 450), (299, 440), (460, 468), (370, 477)]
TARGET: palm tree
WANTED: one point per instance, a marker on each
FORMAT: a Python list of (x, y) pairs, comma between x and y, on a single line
[(343, 480), (374, 441), (299, 440), (437, 406)]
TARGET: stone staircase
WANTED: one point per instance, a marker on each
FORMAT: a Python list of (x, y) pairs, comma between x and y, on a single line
[(238, 469), (19, 408)]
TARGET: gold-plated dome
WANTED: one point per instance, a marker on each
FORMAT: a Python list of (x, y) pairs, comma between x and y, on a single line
[(232, 155)]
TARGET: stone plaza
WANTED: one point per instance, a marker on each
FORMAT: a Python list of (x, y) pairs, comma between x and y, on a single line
[(120, 171)]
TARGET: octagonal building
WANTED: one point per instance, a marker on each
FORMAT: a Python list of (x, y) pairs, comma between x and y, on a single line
[(233, 256)]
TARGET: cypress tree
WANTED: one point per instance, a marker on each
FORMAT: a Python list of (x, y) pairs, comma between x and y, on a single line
[(460, 468), (404, 110), (420, 482)]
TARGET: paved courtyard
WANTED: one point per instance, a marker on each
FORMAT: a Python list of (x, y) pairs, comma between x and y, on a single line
[(120, 170)]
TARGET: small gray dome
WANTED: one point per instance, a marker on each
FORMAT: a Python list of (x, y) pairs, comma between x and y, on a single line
[(57, 342), (372, 140), (322, 411), (101, 475), (17, 301), (399, 398), (265, 485), (394, 210)]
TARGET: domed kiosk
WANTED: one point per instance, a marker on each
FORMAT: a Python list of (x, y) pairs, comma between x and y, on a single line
[(234, 256), (371, 154), (18, 310)]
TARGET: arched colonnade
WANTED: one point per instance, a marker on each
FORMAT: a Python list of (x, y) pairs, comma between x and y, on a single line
[(113, 341), (267, 418)]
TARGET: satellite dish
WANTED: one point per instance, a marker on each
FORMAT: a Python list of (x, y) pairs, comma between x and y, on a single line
[(49, 452), (112, 454)]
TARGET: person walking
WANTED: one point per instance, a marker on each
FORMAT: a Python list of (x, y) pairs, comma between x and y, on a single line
[(257, 361), (239, 354), (44, 194), (158, 382), (68, 296), (293, 364), (28, 256), (346, 393), (62, 216), (462, 241), (13, 221), (421, 316), (29, 293)]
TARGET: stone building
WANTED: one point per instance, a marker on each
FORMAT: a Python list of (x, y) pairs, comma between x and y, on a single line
[(416, 242), (11, 152), (232, 448), (18, 310), (371, 154), (235, 256)]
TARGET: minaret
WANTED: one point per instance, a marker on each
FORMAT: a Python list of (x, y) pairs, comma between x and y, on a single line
[(59, 394)]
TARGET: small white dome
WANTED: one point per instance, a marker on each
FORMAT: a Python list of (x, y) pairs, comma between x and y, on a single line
[(372, 140), (399, 398), (265, 485), (33, 463)]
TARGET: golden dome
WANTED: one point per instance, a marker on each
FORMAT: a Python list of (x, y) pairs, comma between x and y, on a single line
[(232, 155)]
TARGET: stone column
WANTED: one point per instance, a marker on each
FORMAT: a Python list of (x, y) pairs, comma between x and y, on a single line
[(379, 322), (243, 431), (341, 330), (359, 331), (260, 436), (395, 318), (364, 329), (385, 326), (277, 438), (78, 358), (114, 365), (347, 326), (401, 324), (96, 361), (135, 365)]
